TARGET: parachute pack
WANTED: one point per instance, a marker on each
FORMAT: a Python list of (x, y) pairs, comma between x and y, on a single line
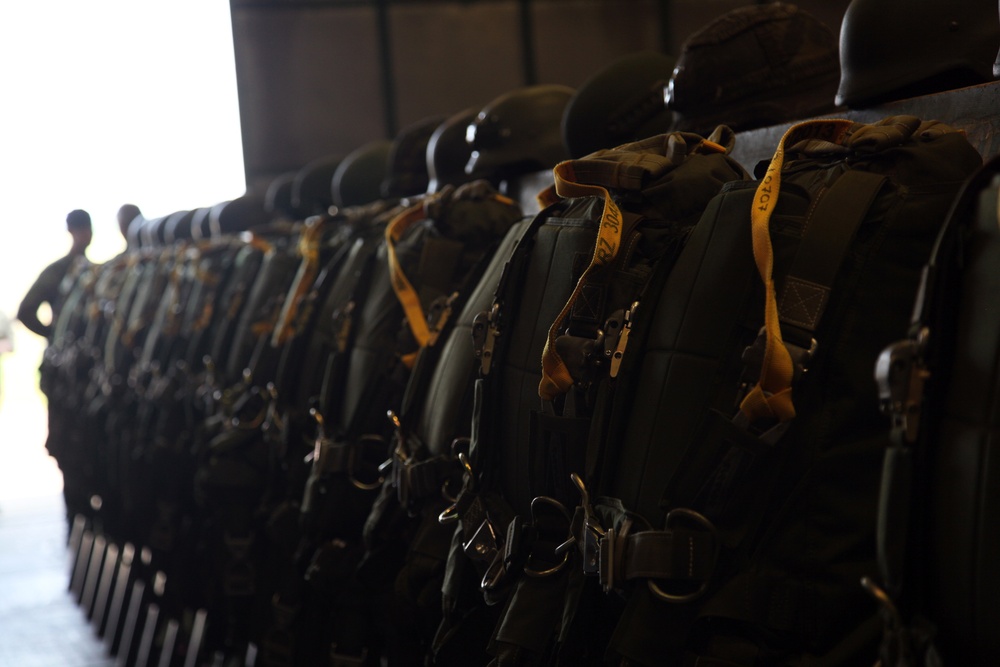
[(640, 426)]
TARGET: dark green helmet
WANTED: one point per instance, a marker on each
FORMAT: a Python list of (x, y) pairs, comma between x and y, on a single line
[(448, 152), (518, 133), (620, 103), (895, 49), (358, 178)]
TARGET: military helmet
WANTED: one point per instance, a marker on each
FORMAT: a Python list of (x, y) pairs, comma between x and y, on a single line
[(237, 215), (518, 133), (407, 161), (358, 178), (278, 196), (311, 187), (620, 103), (149, 235), (178, 226), (894, 49), (754, 66), (448, 152)]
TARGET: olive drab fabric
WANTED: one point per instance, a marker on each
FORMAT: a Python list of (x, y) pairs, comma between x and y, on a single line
[(683, 415), (786, 292), (935, 579), (615, 216)]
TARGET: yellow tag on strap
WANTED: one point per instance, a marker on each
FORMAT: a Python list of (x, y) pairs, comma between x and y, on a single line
[(556, 378), (771, 398), (407, 296), (308, 247)]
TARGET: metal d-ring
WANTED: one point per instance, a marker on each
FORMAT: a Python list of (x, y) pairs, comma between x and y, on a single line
[(548, 572), (450, 514), (702, 520), (352, 460)]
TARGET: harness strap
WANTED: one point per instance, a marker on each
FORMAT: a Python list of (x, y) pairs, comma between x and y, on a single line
[(677, 554), (417, 480), (439, 258), (771, 397), (824, 244), (308, 248), (405, 292), (556, 378)]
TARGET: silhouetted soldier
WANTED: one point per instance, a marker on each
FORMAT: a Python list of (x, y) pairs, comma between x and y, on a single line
[(48, 286)]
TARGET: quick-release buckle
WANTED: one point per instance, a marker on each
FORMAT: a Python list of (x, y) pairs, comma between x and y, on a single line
[(753, 360), (901, 374)]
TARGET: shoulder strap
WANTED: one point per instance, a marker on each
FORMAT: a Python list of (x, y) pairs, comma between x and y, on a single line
[(556, 378), (632, 168), (771, 397)]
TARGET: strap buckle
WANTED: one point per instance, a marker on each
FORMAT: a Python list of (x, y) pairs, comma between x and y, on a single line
[(621, 340), (485, 546), (901, 374), (437, 318), (753, 360), (485, 330)]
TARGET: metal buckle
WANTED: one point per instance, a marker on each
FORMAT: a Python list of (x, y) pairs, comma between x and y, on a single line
[(484, 546), (622, 343), (485, 330), (702, 520), (753, 359), (537, 504), (440, 313), (901, 374)]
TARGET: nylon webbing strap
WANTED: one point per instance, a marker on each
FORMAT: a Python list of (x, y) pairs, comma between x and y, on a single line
[(824, 245), (556, 377), (407, 296), (309, 251), (405, 292), (771, 397)]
